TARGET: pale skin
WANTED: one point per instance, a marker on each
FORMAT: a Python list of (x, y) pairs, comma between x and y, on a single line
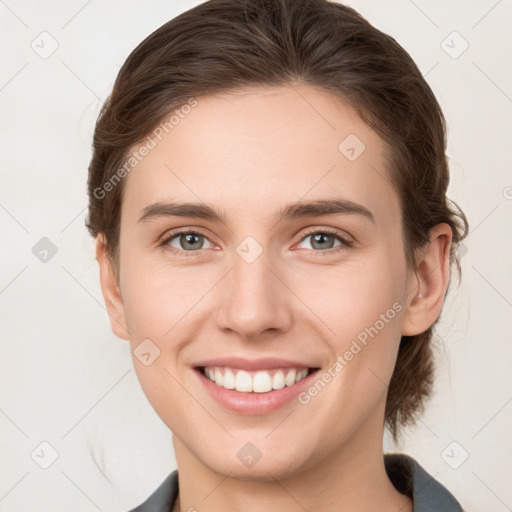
[(247, 155)]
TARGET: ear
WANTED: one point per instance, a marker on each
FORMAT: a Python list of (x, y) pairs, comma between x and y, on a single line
[(111, 291), (428, 282)]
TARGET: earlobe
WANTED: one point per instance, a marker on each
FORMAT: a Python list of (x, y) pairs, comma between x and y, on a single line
[(429, 282), (110, 290)]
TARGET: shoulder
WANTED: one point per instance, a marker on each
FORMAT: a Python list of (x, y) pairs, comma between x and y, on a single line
[(410, 478), (163, 498)]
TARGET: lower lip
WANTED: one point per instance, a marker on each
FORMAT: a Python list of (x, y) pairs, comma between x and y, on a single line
[(253, 404)]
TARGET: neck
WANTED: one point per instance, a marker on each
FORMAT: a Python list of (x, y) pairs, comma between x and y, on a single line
[(351, 479)]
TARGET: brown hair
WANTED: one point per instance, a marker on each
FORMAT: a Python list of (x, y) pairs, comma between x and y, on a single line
[(223, 45)]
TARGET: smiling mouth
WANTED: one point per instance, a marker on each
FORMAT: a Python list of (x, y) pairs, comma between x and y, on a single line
[(255, 381)]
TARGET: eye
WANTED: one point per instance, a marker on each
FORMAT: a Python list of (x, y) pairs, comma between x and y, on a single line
[(324, 239), (189, 243), (185, 242)]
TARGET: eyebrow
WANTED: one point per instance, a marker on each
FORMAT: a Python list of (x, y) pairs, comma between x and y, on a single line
[(288, 212)]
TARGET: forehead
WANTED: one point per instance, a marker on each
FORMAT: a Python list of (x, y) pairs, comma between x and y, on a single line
[(256, 149)]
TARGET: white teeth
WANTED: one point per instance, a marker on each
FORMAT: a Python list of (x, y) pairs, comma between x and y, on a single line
[(301, 374), (290, 377), (278, 380), (262, 382), (259, 382), (243, 381), (229, 379)]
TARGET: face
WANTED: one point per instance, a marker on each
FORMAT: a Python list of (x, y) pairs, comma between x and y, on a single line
[(322, 288)]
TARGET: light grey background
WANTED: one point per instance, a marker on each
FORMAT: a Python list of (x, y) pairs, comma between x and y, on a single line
[(67, 382)]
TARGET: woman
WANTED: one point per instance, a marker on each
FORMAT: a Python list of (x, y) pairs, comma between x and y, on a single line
[(268, 195)]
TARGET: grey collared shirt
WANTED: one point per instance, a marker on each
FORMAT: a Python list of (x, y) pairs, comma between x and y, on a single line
[(405, 473)]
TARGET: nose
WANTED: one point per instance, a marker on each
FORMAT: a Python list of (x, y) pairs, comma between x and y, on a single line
[(255, 300)]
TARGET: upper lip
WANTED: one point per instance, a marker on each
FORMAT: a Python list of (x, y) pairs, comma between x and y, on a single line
[(264, 363)]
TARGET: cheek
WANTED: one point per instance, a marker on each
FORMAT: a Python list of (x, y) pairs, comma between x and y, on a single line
[(159, 300), (353, 295), (360, 306)]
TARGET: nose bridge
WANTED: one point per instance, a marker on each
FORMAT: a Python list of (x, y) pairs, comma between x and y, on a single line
[(255, 300)]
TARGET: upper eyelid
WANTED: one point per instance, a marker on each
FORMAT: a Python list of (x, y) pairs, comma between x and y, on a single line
[(169, 235)]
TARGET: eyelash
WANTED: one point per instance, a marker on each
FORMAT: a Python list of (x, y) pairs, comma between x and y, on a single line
[(345, 244)]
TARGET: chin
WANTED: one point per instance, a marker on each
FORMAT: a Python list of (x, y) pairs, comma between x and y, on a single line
[(267, 468)]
